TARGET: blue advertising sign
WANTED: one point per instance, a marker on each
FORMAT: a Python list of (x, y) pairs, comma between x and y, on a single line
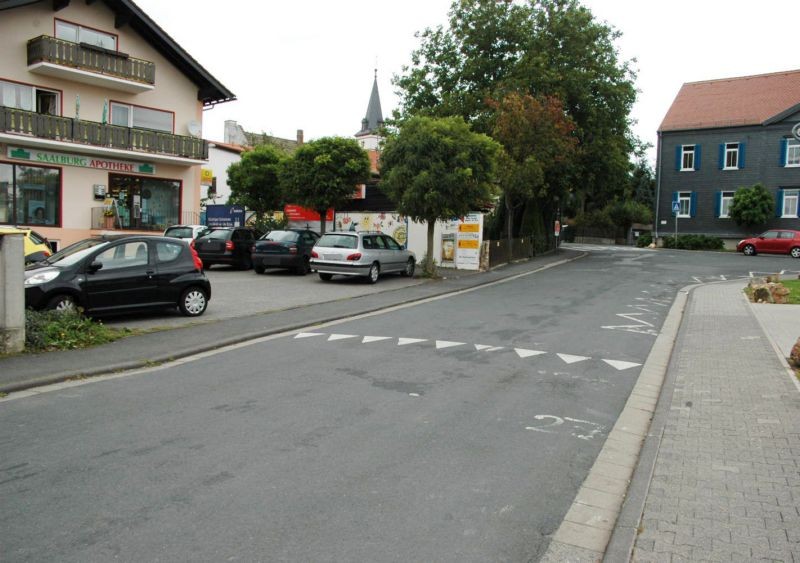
[(224, 215)]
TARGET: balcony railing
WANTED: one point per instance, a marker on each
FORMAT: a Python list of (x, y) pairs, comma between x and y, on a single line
[(70, 130), (88, 57)]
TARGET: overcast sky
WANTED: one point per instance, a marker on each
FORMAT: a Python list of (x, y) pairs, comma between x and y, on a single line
[(310, 64)]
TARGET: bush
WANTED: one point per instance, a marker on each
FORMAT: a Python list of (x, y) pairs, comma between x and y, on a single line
[(644, 240), (694, 242), (65, 330)]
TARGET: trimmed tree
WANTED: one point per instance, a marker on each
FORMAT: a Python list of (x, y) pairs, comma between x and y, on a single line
[(324, 173), (753, 206), (254, 181), (436, 169)]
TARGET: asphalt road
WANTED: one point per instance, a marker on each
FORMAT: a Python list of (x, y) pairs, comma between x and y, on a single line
[(453, 430)]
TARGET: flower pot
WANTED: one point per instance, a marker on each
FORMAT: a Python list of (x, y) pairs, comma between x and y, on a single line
[(108, 222)]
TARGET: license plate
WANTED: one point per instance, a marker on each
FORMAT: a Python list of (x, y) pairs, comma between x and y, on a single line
[(332, 256)]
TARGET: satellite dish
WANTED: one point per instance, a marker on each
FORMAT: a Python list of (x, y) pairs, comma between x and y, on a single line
[(194, 128)]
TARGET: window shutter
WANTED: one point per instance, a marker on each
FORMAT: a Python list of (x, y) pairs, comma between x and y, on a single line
[(697, 157), (693, 205), (784, 151), (718, 205), (779, 206), (678, 155), (742, 146), (721, 156)]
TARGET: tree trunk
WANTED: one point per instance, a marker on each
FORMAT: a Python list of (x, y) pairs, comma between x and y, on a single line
[(509, 226), (322, 214), (430, 267)]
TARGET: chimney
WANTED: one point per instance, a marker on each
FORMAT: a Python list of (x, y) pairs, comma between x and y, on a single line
[(299, 136)]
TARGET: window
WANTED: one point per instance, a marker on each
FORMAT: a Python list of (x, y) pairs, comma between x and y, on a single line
[(79, 34), (145, 203), (790, 152), (29, 98), (126, 115), (725, 202), (731, 156), (168, 251), (790, 198), (685, 203), (124, 255), (687, 157), (29, 195)]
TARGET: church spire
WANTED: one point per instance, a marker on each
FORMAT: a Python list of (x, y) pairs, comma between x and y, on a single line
[(374, 118)]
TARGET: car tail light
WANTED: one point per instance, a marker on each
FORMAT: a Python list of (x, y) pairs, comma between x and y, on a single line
[(293, 249), (191, 244), (197, 262), (314, 254), (229, 245), (355, 256), (47, 253)]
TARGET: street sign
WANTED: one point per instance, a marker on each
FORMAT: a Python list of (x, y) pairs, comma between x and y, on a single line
[(557, 228), (676, 207)]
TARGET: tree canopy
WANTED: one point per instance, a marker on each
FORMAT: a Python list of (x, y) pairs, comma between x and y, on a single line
[(324, 173), (753, 206), (254, 180), (438, 168)]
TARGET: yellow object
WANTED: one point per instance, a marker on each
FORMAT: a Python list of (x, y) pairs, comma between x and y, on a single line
[(35, 246)]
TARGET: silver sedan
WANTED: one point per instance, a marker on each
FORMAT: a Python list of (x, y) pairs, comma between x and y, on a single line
[(366, 254)]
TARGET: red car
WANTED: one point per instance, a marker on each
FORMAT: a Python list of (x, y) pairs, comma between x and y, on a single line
[(774, 241)]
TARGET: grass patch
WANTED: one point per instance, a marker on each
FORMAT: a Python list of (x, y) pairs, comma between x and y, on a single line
[(68, 330), (794, 291)]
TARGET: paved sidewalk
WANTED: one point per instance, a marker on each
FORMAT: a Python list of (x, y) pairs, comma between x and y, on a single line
[(725, 483)]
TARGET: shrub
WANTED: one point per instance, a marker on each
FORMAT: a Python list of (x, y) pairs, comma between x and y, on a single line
[(644, 240), (694, 242), (65, 330)]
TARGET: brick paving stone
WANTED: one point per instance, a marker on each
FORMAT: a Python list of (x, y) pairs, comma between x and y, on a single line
[(726, 482)]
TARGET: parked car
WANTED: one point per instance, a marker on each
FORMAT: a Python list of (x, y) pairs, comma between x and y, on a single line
[(288, 248), (774, 241), (129, 274), (227, 245), (34, 246), (186, 232), (366, 254)]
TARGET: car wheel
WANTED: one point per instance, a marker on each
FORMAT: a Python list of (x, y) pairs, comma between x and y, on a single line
[(259, 269), (325, 277), (374, 272), (408, 272), (795, 252), (193, 302), (246, 263), (304, 268), (61, 303), (749, 250)]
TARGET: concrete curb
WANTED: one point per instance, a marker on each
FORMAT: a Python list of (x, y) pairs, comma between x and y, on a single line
[(601, 523), (79, 373)]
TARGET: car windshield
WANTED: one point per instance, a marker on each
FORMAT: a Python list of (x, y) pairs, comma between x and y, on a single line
[(79, 254), (72, 249), (338, 241), (179, 232), (282, 236), (218, 234)]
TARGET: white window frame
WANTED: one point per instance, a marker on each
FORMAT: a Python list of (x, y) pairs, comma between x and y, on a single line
[(731, 153), (131, 109), (791, 199), (725, 202), (32, 99), (688, 153), (685, 203), (792, 153), (85, 31)]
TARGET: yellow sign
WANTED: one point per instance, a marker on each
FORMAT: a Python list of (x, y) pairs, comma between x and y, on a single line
[(469, 228), (206, 176), (468, 243)]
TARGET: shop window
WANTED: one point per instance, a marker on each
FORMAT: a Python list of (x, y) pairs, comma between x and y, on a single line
[(145, 203), (29, 195)]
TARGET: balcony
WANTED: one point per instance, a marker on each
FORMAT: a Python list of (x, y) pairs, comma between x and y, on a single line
[(81, 62), (54, 131)]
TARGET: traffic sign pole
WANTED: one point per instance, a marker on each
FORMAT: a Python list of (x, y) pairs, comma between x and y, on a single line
[(676, 208)]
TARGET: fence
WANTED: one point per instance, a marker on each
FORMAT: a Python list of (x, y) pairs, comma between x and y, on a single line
[(521, 248)]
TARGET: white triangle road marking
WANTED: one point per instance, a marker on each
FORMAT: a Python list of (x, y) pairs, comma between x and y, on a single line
[(447, 344), (367, 339), (572, 359), (341, 336), (404, 341), (523, 353), (620, 365), (308, 334), (482, 346), (495, 348)]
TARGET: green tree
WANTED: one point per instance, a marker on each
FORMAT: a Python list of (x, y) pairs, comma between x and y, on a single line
[(538, 141), (538, 47), (436, 169), (753, 206), (324, 173), (254, 181), (642, 184), (625, 213)]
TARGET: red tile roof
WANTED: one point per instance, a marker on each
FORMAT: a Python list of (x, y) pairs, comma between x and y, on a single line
[(748, 100)]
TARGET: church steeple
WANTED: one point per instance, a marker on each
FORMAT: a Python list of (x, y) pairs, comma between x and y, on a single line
[(374, 118)]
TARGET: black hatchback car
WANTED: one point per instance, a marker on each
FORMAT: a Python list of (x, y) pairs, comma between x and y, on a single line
[(124, 275), (288, 248), (227, 245)]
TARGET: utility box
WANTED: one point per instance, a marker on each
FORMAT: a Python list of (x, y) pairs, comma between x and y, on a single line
[(12, 293)]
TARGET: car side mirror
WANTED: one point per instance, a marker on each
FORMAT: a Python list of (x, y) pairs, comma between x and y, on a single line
[(760, 238), (94, 266)]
